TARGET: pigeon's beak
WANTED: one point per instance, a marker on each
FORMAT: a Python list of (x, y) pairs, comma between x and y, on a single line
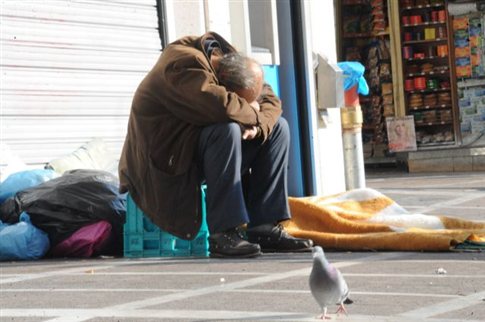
[(314, 252)]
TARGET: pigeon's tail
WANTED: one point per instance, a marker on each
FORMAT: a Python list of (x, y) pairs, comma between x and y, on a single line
[(348, 301)]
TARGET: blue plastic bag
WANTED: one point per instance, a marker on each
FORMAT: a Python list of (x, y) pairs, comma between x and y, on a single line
[(22, 241), (22, 180), (354, 75)]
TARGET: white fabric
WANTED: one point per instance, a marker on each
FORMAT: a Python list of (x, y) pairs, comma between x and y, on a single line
[(9, 162), (92, 155)]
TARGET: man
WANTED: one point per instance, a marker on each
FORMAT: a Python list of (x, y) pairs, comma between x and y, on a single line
[(203, 113)]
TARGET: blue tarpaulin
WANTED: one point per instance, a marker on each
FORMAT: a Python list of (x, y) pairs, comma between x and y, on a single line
[(354, 75)]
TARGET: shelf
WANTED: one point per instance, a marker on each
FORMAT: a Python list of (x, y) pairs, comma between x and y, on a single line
[(350, 35), (434, 118), (363, 39), (425, 58), (426, 124), (432, 73), (421, 91), (428, 6), (435, 107), (431, 144), (354, 3), (424, 41), (425, 24), (471, 82), (379, 160)]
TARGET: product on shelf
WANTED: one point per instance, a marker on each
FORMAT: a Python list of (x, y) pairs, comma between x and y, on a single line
[(440, 69), (444, 98), (427, 67), (472, 110), (420, 83), (445, 84), (469, 45), (442, 50), (385, 70), (415, 100), (352, 54), (388, 110), (430, 100), (413, 69), (421, 2), (445, 116)]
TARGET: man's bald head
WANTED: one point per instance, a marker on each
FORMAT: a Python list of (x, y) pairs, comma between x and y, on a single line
[(241, 74)]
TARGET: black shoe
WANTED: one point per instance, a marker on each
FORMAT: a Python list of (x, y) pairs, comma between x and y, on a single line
[(231, 244), (274, 239)]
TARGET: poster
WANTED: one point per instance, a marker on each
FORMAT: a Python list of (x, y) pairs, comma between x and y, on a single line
[(401, 134)]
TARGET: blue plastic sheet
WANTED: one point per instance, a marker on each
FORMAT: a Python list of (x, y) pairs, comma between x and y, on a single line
[(22, 180), (354, 75), (22, 241)]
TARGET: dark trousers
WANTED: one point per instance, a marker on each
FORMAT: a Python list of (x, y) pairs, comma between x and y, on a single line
[(229, 163)]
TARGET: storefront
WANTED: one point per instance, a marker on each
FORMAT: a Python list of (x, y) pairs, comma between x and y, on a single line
[(425, 67)]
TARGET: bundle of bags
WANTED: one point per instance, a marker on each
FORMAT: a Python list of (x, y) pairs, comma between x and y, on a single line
[(59, 211)]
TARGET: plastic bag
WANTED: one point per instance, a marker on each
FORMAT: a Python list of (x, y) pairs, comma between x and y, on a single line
[(88, 241), (92, 155), (22, 180), (65, 204), (354, 76), (22, 240)]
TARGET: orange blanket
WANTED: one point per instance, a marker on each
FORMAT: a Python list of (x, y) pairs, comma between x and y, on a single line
[(365, 219)]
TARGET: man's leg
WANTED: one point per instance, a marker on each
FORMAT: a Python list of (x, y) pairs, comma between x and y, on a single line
[(266, 186), (220, 158), (267, 194)]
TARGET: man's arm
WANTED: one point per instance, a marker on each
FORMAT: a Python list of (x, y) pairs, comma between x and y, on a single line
[(270, 110), (192, 92), (252, 132)]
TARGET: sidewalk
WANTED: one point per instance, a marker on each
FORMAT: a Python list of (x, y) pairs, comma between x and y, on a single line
[(385, 286)]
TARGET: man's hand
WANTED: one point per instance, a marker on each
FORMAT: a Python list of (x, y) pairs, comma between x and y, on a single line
[(255, 105), (249, 133)]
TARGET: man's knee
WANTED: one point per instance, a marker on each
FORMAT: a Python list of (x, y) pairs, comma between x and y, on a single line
[(281, 131), (283, 126), (225, 132)]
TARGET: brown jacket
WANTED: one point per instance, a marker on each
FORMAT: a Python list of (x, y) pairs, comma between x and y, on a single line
[(178, 97)]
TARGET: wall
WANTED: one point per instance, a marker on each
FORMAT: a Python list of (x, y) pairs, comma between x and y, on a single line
[(328, 127), (69, 71)]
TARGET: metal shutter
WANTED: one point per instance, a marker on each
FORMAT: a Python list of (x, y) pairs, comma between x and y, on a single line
[(69, 69)]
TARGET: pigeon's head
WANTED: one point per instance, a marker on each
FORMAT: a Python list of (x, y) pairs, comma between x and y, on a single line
[(317, 251)]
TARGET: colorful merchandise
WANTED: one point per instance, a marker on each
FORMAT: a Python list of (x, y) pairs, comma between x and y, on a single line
[(469, 45)]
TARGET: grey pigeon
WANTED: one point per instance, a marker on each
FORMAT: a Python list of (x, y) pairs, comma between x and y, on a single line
[(327, 284)]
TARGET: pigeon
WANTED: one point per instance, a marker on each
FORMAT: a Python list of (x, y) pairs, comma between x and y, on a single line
[(327, 284)]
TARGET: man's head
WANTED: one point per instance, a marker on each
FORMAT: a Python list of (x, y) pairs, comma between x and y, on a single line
[(241, 74)]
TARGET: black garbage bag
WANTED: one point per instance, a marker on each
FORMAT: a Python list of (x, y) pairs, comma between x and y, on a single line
[(65, 204)]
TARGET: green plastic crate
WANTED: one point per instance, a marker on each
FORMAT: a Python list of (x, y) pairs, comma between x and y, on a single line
[(142, 238)]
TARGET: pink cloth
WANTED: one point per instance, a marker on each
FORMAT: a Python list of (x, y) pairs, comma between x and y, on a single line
[(84, 242)]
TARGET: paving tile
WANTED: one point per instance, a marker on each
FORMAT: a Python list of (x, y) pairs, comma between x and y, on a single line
[(470, 313), (65, 300), (94, 281), (453, 266), (252, 301)]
